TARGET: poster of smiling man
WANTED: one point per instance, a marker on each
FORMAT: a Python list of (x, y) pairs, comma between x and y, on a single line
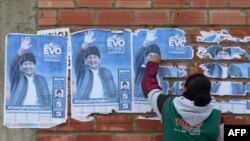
[(101, 63), (35, 67), (169, 44)]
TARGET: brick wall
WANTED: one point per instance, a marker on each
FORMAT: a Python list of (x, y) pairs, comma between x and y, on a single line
[(189, 15)]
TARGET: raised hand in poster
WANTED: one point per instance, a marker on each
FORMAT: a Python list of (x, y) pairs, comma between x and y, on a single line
[(27, 87)]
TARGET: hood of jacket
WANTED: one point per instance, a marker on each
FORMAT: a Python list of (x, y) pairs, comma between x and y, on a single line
[(192, 114)]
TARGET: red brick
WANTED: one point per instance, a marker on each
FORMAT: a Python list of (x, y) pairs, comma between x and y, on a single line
[(47, 13), (209, 3), (47, 129), (240, 3), (47, 17), (189, 17), (248, 17), (151, 17), (55, 138), (76, 17), (69, 105), (236, 120), (172, 3), (114, 127), (114, 17), (56, 3), (159, 137), (73, 121), (148, 125), (47, 21), (94, 137), (114, 119), (195, 66), (133, 137), (240, 32), (74, 125), (227, 17), (133, 3), (114, 123), (196, 32), (93, 3)]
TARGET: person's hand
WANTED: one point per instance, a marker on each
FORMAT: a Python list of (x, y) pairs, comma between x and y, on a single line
[(89, 38), (155, 58), (150, 37), (25, 44)]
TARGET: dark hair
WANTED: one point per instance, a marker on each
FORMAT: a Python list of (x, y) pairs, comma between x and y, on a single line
[(124, 83), (92, 50), (219, 48), (153, 48), (28, 57), (198, 89), (59, 91)]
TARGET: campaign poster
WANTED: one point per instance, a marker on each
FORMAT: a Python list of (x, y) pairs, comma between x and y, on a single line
[(35, 93), (101, 72), (169, 44)]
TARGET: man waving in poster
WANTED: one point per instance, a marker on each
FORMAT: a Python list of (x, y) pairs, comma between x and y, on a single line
[(93, 81)]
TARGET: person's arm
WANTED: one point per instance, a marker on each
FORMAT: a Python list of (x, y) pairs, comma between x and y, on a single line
[(150, 86), (80, 58), (149, 80), (14, 73), (25, 44)]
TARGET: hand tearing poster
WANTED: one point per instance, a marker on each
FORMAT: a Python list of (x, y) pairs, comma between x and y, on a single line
[(35, 81)]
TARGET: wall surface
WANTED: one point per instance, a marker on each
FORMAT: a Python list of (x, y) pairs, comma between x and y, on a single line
[(192, 16), (17, 16)]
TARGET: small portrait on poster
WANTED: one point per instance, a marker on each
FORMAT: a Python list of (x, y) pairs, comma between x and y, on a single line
[(125, 86), (59, 93)]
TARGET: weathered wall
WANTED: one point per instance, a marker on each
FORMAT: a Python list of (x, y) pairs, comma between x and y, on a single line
[(189, 15), (15, 16)]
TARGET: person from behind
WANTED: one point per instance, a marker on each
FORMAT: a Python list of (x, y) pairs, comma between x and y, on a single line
[(188, 117)]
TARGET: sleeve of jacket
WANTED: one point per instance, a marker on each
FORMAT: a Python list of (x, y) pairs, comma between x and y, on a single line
[(80, 62), (149, 80)]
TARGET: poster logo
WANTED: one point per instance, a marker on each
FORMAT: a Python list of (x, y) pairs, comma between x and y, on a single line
[(177, 44), (52, 52), (116, 44)]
